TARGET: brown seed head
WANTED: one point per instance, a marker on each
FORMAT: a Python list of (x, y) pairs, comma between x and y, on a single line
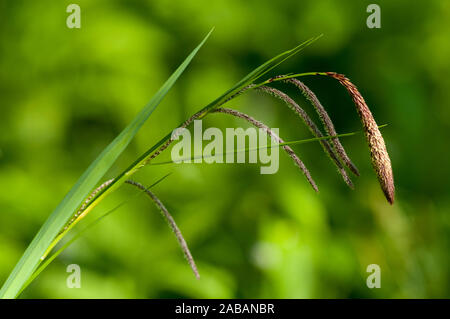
[(380, 157)]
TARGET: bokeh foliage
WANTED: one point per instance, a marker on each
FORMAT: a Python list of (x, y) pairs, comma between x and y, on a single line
[(66, 93)]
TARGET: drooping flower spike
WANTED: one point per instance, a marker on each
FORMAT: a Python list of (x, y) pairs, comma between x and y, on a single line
[(380, 157)]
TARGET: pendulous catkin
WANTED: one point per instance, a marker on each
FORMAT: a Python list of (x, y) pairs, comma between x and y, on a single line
[(172, 224), (380, 157)]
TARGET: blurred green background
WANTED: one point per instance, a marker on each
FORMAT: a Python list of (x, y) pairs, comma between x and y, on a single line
[(66, 93)]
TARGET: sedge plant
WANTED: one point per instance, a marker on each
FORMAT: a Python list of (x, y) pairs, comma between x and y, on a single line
[(86, 194)]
